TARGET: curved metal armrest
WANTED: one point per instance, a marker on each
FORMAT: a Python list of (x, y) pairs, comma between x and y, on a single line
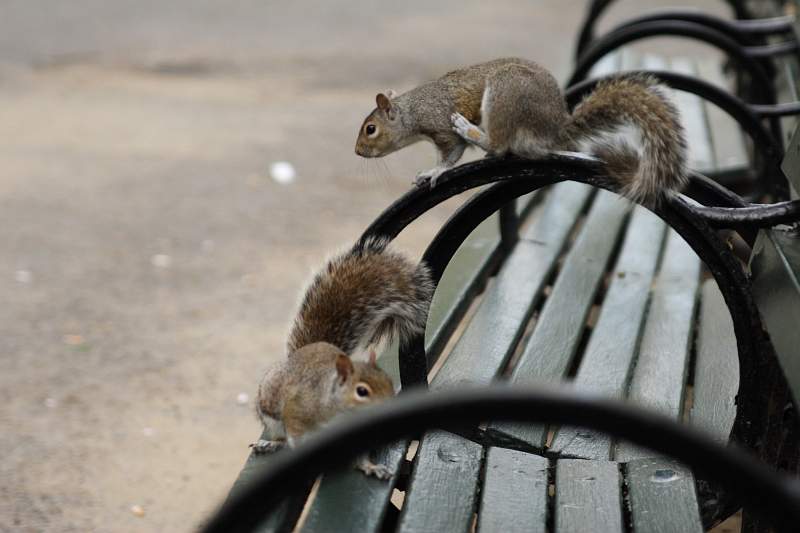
[(774, 496), (748, 33), (598, 7), (762, 82)]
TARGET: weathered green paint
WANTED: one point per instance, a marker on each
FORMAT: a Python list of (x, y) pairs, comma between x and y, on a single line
[(557, 333), (716, 375), (349, 500), (442, 494), (660, 374), (283, 518), (492, 333), (775, 266), (588, 496), (514, 494), (662, 497), (607, 362)]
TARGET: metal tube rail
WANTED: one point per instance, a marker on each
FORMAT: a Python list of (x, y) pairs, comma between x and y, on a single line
[(775, 497), (598, 7), (737, 53)]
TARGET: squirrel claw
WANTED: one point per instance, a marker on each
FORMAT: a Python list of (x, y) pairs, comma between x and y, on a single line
[(371, 469), (428, 177), (262, 446)]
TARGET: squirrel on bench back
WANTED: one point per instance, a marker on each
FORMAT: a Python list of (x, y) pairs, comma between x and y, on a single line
[(358, 299), (515, 106)]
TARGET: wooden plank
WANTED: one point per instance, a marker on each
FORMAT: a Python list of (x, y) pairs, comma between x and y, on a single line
[(489, 340), (588, 496), (662, 497), (727, 138), (349, 500), (693, 115), (286, 514), (716, 375), (660, 375), (442, 494), (500, 319), (558, 331), (514, 495), (607, 363), (775, 266)]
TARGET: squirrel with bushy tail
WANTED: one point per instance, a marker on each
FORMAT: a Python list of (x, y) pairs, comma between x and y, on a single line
[(358, 300), (515, 106)]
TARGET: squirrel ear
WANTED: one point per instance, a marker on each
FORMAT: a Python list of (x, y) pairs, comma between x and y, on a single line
[(344, 367), (383, 102), (373, 358)]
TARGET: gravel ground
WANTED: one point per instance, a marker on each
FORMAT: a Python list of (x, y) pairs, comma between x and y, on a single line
[(150, 263)]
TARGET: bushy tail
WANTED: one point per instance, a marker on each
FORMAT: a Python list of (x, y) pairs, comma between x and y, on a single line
[(362, 296), (638, 101)]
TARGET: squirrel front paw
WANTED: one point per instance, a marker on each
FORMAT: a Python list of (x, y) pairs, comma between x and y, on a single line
[(428, 177), (262, 446), (376, 470)]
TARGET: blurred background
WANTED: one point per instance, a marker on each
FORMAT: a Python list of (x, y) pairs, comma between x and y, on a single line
[(151, 254)]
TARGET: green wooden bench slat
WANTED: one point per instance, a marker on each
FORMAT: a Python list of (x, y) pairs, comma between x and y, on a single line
[(500, 319), (333, 508), (514, 495), (443, 491), (727, 138), (693, 115), (775, 265), (716, 374), (588, 496), (463, 278), (494, 330), (557, 333), (662, 497), (606, 364), (287, 512), (659, 377)]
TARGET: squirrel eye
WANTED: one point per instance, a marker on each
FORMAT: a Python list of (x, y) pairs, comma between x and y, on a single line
[(370, 129), (362, 391)]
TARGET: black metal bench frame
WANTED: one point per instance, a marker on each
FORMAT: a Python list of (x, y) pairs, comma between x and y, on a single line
[(511, 178), (756, 426)]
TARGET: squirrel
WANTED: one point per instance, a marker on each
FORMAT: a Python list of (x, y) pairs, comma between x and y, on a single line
[(361, 297), (515, 106)]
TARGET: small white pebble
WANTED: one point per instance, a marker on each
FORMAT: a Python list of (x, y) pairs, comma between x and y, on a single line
[(50, 402), (242, 398), (137, 510), (148, 432), (161, 261), (282, 172), (23, 276)]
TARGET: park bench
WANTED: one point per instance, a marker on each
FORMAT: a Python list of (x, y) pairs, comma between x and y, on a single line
[(571, 283)]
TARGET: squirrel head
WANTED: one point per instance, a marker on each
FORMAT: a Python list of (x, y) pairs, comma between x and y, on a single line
[(361, 383), (382, 131)]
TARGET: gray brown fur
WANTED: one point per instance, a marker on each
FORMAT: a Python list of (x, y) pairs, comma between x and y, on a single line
[(639, 100), (305, 391), (357, 299), (521, 110), (362, 296)]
